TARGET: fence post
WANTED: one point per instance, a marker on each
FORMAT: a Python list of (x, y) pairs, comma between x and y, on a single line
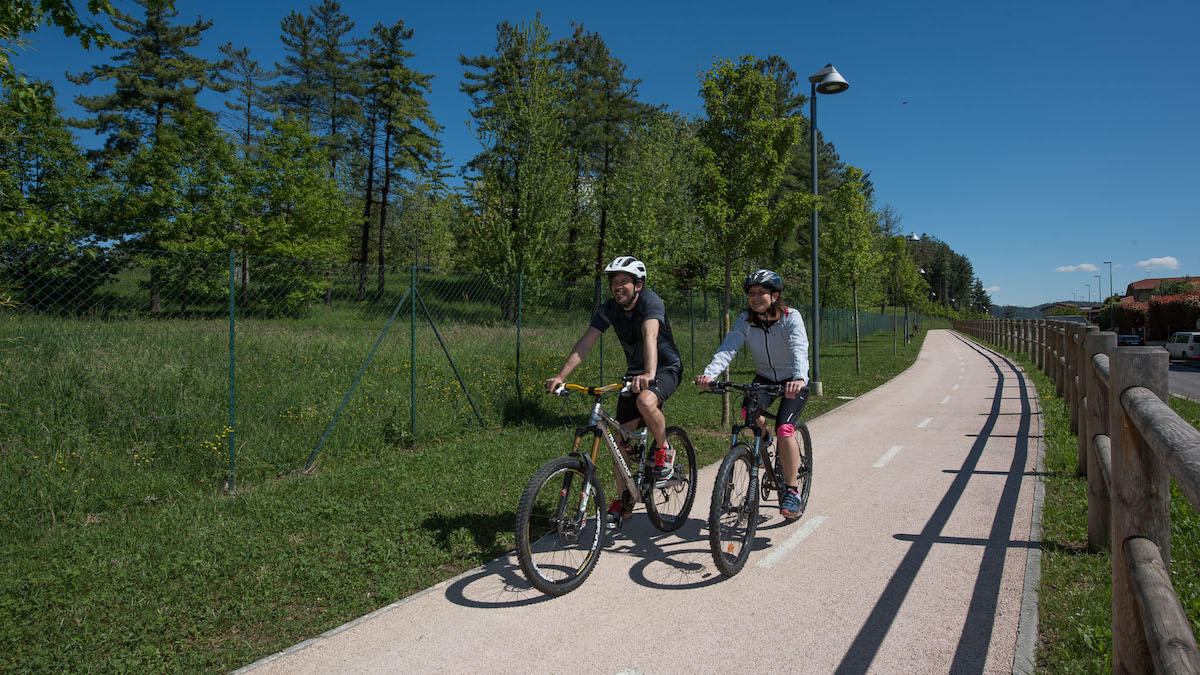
[(1099, 504), (1070, 350), (1082, 433), (1039, 343), (232, 482), (520, 300), (1140, 499), (412, 356)]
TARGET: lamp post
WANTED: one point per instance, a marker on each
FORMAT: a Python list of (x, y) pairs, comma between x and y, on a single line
[(1098, 292), (1110, 293), (912, 236), (1089, 287), (825, 81)]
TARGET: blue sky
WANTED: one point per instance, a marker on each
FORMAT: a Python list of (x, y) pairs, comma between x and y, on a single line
[(1038, 139)]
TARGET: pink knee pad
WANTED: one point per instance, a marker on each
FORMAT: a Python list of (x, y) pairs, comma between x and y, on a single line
[(786, 431), (743, 415)]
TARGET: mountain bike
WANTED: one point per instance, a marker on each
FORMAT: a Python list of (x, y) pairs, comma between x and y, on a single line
[(561, 518), (751, 469)]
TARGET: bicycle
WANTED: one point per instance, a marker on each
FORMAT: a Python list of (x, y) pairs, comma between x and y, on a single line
[(560, 519), (733, 514)]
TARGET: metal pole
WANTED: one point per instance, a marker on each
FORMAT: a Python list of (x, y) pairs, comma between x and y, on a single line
[(412, 357), (815, 385), (520, 294), (232, 400)]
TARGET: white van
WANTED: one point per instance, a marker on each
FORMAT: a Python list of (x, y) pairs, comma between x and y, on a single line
[(1184, 346)]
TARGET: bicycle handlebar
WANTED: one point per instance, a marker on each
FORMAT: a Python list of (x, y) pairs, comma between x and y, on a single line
[(721, 387), (566, 388)]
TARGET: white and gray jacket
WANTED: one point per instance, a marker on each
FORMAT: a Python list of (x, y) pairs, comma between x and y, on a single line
[(779, 348)]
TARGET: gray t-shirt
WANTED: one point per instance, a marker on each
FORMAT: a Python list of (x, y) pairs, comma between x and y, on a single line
[(628, 327)]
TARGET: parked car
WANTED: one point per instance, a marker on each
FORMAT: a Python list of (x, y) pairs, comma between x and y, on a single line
[(1184, 345), (1130, 341)]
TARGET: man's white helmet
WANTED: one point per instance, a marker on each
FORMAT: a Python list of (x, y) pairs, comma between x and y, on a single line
[(629, 265)]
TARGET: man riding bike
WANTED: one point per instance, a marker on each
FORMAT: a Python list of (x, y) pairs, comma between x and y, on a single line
[(638, 316)]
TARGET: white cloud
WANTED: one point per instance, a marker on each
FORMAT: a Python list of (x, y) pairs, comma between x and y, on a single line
[(993, 289), (1085, 267), (1164, 263)]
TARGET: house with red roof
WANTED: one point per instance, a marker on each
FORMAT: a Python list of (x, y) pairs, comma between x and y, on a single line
[(1140, 291)]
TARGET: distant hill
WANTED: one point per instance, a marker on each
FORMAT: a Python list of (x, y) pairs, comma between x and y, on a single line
[(1014, 312)]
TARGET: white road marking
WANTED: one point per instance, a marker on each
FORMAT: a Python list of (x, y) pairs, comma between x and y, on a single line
[(954, 388), (923, 423), (790, 543), (945, 400), (960, 377), (887, 456)]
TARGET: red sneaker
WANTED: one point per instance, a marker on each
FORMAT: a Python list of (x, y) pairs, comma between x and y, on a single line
[(617, 513)]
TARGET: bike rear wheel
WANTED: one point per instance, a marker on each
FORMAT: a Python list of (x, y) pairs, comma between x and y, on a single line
[(669, 502), (558, 549), (733, 514)]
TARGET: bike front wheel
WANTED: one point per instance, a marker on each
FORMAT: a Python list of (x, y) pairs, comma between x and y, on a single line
[(805, 473), (560, 526), (733, 514), (668, 502)]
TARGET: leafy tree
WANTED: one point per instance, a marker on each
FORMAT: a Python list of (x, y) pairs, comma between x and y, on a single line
[(853, 229), (44, 182), (154, 76), (1174, 287), (520, 180), (980, 301), (19, 17), (741, 157)]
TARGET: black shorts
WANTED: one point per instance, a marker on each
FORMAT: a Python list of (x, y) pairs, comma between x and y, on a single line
[(789, 408), (665, 384)]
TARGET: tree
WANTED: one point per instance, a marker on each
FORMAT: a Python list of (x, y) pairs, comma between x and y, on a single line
[(297, 90), (1173, 287), (337, 77), (853, 229), (251, 101), (398, 96), (520, 179), (741, 158), (19, 17), (600, 111), (154, 77), (44, 182)]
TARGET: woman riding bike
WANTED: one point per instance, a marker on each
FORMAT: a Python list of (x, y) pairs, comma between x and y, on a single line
[(779, 346)]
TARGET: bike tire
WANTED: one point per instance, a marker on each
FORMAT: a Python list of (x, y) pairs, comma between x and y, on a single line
[(555, 552), (804, 474), (669, 502), (733, 513)]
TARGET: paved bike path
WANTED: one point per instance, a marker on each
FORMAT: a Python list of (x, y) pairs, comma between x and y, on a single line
[(911, 557)]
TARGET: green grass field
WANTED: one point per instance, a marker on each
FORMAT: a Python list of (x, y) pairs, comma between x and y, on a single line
[(122, 551)]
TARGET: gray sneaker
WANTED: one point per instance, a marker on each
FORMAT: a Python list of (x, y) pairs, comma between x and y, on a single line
[(664, 463)]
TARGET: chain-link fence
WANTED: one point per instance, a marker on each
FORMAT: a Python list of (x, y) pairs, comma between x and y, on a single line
[(130, 374)]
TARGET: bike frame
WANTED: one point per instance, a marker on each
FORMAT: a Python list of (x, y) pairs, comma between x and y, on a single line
[(602, 425)]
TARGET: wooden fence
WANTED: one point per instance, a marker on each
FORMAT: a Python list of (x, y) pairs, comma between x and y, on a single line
[(1130, 445)]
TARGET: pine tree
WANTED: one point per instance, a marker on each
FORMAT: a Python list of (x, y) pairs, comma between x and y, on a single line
[(337, 79), (249, 88), (154, 77), (296, 92)]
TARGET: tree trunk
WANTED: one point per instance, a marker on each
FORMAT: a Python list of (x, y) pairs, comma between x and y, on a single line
[(383, 207), (365, 249), (857, 346), (725, 302)]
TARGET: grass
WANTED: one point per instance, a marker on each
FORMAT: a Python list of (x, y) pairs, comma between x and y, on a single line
[(1075, 595), (122, 553)]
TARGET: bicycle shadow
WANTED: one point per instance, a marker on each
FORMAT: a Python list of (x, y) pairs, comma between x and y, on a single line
[(679, 560)]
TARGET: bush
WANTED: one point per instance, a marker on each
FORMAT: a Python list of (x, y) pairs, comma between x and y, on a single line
[(1172, 313), (1130, 317)]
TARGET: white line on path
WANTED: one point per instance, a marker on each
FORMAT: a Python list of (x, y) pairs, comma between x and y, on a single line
[(960, 377), (887, 456), (927, 420), (790, 543), (954, 388), (945, 400)]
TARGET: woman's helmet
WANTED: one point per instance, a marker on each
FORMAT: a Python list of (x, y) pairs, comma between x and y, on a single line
[(765, 278), (629, 265)]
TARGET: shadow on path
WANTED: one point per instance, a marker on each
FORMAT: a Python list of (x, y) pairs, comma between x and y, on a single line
[(971, 653)]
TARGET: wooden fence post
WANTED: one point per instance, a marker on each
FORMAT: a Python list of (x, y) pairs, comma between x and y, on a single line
[(1079, 356), (1140, 498), (1039, 336), (1099, 446)]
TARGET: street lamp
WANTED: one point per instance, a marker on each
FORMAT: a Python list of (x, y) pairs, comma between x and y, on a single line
[(825, 81), (912, 236), (1110, 293), (1098, 292)]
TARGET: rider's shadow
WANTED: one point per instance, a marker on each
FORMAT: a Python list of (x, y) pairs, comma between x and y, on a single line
[(679, 560)]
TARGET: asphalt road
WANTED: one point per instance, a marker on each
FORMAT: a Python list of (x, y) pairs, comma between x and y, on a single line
[(1184, 379), (919, 552)]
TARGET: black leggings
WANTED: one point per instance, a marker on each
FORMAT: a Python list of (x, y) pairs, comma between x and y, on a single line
[(789, 408)]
